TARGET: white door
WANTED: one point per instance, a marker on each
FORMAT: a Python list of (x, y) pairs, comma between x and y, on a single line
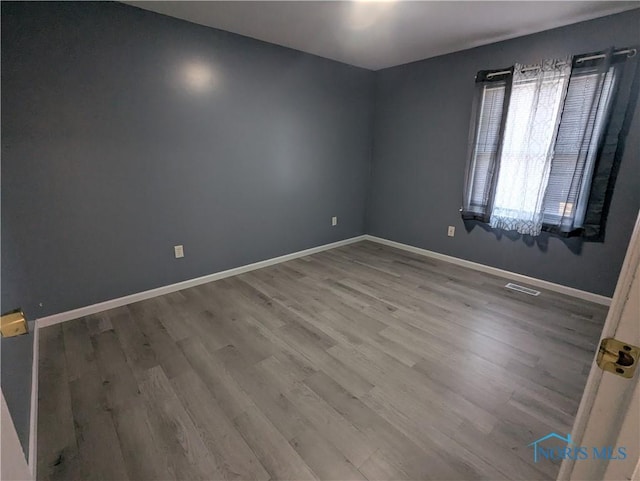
[(13, 465), (609, 413)]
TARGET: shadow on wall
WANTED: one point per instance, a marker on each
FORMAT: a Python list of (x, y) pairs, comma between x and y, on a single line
[(574, 244)]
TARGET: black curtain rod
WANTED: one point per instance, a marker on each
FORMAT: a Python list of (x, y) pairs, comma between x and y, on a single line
[(631, 52)]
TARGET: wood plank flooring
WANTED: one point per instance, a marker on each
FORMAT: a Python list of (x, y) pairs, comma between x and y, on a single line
[(363, 362)]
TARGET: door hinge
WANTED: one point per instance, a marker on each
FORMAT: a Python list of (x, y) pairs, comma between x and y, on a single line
[(618, 357), (13, 323)]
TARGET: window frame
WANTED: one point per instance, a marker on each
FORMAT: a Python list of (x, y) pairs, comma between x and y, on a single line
[(597, 179)]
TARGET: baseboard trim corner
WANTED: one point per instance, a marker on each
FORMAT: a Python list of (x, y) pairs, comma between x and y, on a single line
[(33, 418), (532, 281), (159, 291)]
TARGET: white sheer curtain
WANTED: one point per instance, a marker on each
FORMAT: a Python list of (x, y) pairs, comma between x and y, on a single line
[(530, 130)]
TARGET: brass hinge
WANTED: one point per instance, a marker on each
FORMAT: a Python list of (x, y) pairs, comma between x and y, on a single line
[(13, 323), (618, 357)]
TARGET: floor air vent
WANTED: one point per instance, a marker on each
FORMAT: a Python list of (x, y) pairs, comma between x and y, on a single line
[(526, 290)]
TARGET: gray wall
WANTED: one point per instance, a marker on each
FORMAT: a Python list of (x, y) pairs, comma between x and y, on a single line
[(420, 147), (109, 159)]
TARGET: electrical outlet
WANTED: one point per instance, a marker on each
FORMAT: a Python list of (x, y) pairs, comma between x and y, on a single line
[(179, 251), (451, 231), (334, 221)]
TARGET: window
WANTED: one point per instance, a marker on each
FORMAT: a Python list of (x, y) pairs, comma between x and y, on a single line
[(544, 143)]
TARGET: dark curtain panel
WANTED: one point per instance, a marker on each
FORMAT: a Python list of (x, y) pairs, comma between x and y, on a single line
[(589, 144), (488, 118), (610, 152)]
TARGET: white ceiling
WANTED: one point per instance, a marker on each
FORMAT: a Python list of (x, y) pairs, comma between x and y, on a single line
[(380, 34)]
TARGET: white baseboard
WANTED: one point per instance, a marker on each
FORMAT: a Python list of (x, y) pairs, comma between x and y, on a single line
[(140, 296), (33, 418), (122, 301), (532, 281)]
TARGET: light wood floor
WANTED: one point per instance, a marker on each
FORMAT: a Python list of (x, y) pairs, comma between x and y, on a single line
[(363, 362)]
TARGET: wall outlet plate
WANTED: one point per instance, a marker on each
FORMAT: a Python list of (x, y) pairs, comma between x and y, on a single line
[(451, 231), (179, 251), (334, 221)]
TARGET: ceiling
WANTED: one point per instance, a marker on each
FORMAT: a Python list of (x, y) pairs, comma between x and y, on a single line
[(380, 34)]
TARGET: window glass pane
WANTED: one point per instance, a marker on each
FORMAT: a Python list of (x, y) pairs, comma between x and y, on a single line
[(487, 140), (576, 148)]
